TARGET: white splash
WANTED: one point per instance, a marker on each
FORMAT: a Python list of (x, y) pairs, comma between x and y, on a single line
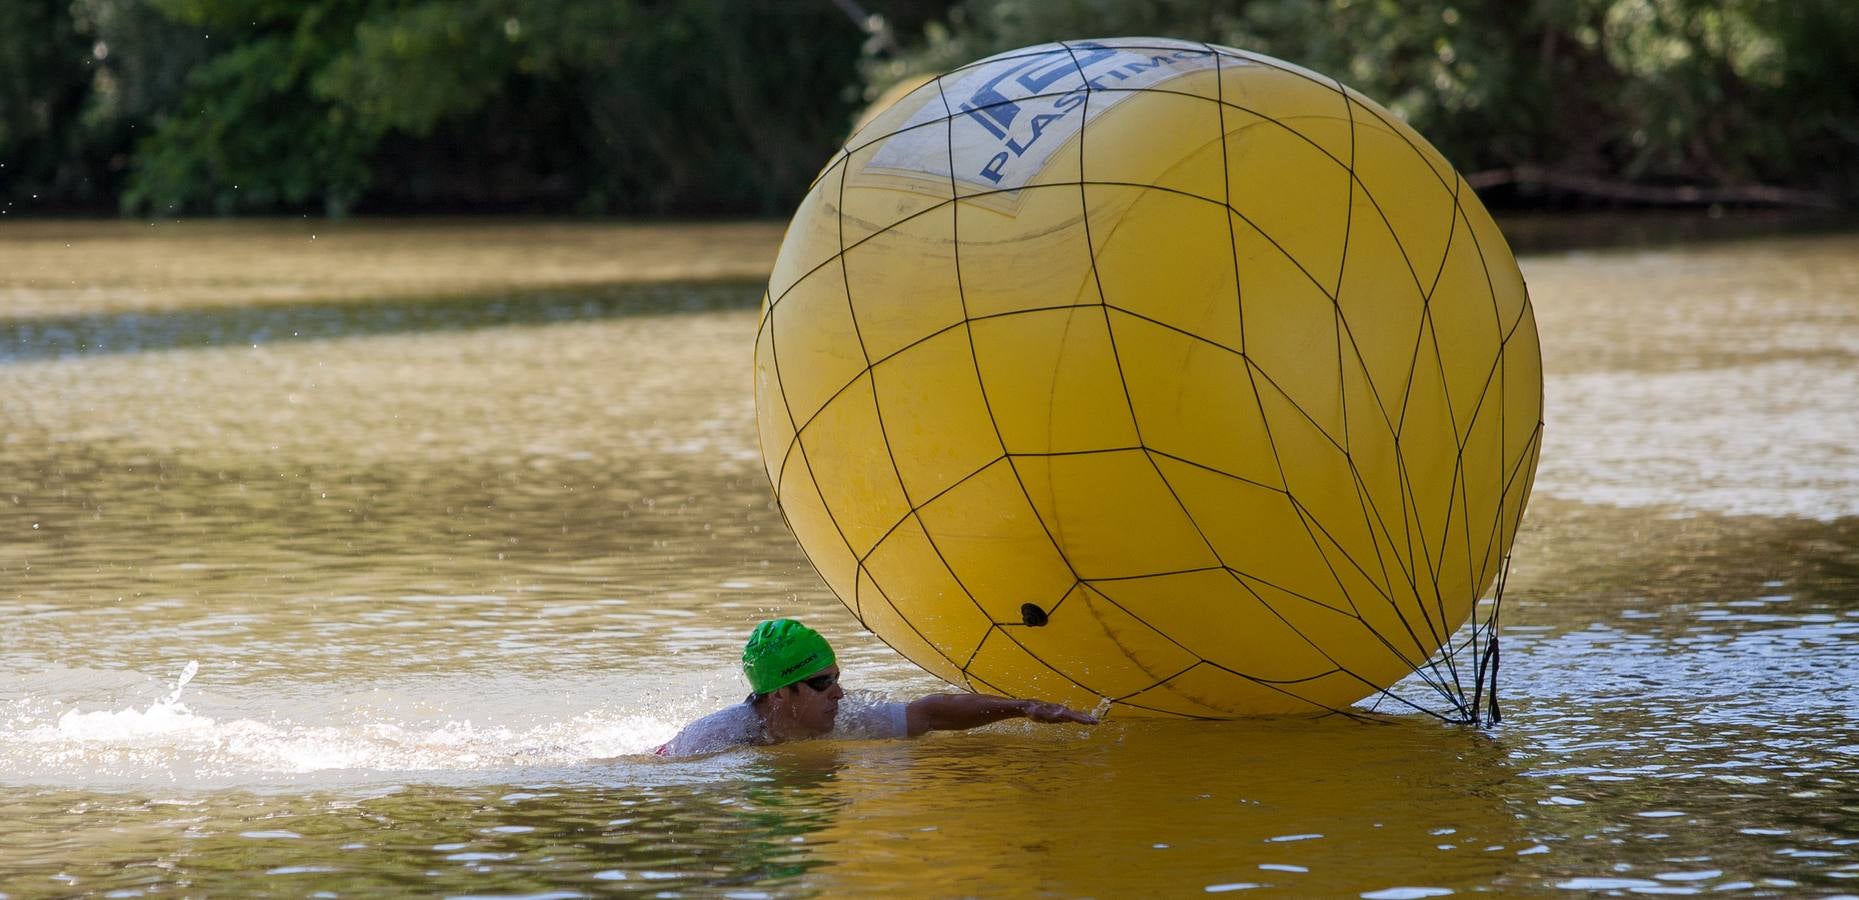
[(440, 731), (165, 717)]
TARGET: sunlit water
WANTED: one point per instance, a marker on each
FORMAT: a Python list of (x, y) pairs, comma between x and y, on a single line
[(394, 598)]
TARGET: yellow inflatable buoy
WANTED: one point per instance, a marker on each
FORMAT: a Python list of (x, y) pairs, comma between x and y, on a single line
[(1154, 372)]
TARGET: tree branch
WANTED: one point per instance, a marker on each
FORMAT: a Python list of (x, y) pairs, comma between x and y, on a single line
[(1532, 176)]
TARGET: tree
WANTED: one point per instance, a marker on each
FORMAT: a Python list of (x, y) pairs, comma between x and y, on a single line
[(1612, 97), (600, 105)]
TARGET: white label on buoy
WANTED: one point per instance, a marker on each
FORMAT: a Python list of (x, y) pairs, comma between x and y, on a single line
[(1009, 114)]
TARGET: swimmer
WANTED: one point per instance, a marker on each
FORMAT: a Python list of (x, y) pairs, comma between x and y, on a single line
[(795, 680)]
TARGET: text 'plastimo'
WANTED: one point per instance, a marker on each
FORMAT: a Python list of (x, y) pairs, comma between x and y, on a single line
[(1009, 115)]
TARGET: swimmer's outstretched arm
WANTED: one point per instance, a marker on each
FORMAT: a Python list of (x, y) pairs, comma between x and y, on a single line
[(956, 712)]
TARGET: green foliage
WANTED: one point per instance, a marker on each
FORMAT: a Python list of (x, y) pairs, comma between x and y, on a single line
[(251, 133), (43, 71), (441, 60), (714, 106), (1715, 92), (703, 105), (253, 145), (51, 152), (731, 106)]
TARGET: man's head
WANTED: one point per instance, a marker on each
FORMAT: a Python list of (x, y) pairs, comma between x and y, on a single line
[(795, 678)]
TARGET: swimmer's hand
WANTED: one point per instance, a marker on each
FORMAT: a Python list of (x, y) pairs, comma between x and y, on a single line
[(1057, 714)]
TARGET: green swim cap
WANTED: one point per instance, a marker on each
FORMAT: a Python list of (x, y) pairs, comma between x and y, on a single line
[(781, 652)]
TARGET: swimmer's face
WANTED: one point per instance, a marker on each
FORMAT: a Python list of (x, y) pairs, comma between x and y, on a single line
[(813, 703)]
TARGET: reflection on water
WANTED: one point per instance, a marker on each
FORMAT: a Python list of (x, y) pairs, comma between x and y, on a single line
[(96, 333), (246, 503), (1040, 812), (450, 568), (50, 269), (1715, 378)]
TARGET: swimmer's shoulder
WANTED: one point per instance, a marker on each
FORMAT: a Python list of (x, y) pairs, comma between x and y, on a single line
[(732, 726)]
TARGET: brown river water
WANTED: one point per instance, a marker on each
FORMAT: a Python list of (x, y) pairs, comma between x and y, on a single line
[(374, 559)]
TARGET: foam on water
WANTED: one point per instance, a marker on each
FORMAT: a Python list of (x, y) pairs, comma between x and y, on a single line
[(49, 740)]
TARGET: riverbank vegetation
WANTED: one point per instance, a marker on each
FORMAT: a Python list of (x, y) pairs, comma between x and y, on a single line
[(711, 107)]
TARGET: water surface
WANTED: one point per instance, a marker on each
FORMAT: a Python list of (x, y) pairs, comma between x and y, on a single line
[(446, 565)]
